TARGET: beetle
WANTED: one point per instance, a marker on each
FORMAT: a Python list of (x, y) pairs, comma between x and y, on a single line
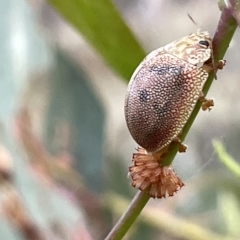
[(161, 96)]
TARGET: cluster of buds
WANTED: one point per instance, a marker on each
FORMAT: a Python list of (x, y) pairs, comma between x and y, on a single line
[(147, 172)]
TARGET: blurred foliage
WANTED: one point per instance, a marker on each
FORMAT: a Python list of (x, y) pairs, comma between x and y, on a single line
[(52, 155), (226, 159), (101, 24), (73, 109)]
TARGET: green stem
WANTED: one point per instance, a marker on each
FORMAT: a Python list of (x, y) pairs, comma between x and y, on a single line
[(224, 33), (167, 222), (127, 219)]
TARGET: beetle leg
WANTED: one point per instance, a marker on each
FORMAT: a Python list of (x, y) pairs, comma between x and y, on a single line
[(209, 67), (181, 147), (213, 67), (207, 104), (221, 64)]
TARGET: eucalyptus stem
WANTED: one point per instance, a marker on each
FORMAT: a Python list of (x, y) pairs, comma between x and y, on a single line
[(128, 218), (223, 35)]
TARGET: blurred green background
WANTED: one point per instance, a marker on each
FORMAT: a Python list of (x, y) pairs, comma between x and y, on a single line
[(65, 148)]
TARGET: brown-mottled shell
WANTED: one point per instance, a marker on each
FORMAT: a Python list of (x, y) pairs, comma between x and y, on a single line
[(164, 90)]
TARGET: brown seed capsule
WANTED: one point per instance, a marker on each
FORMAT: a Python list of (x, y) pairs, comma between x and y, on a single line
[(147, 172), (160, 98)]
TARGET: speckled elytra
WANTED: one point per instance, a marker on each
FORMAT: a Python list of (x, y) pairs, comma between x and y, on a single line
[(161, 96)]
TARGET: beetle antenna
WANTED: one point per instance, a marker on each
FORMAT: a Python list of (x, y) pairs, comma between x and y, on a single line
[(192, 19), (195, 23)]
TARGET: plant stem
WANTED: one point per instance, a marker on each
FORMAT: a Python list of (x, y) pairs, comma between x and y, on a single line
[(224, 33), (130, 215), (167, 222)]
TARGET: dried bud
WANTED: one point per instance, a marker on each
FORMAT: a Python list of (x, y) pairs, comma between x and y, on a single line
[(147, 172)]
